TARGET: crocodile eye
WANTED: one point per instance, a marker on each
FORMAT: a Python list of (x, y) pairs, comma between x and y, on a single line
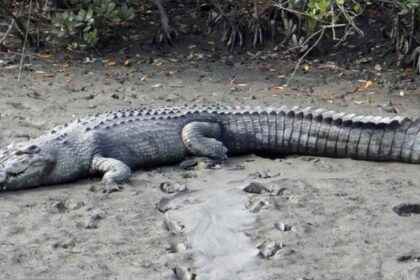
[(30, 149)]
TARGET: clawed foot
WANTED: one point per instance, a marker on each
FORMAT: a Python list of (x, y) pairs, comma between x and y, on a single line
[(111, 187), (166, 36)]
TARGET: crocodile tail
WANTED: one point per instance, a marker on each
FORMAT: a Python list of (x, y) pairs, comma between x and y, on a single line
[(361, 137), (324, 133)]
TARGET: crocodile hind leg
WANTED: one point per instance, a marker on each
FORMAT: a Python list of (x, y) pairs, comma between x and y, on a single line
[(115, 172), (200, 139)]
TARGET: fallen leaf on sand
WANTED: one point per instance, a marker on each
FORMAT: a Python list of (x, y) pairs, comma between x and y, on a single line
[(45, 55), (367, 84), (158, 64), (184, 29), (48, 75), (111, 62), (279, 88)]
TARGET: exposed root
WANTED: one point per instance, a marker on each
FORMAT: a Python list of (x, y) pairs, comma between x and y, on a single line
[(233, 36), (166, 35)]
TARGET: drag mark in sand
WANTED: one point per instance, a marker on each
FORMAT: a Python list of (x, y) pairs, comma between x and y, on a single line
[(215, 228)]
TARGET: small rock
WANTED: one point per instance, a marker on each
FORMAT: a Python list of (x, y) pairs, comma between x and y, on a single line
[(236, 167), (282, 226), (378, 67), (57, 207), (413, 255), (189, 164), (65, 244), (281, 191), (76, 205), (407, 209), (269, 250), (115, 96), (93, 220), (163, 205), (265, 175), (256, 188), (178, 248), (183, 273), (173, 227), (168, 187), (229, 63), (255, 208)]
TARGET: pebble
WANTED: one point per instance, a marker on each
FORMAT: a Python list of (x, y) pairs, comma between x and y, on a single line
[(173, 227), (283, 226), (256, 188), (183, 273), (407, 209), (76, 205), (168, 187), (178, 248), (269, 250), (163, 205), (65, 244), (255, 208), (57, 207), (264, 174), (93, 220)]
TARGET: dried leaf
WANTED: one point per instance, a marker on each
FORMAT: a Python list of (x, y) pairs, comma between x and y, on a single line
[(409, 70), (48, 75), (305, 67), (45, 55), (158, 64), (211, 46), (172, 72), (184, 29), (127, 62), (279, 88), (232, 80), (111, 62), (401, 93), (367, 84)]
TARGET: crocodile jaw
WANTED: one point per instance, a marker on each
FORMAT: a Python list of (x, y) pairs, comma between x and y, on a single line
[(23, 170)]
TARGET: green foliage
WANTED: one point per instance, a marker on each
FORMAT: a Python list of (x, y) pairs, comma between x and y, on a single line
[(321, 11), (93, 21), (408, 6)]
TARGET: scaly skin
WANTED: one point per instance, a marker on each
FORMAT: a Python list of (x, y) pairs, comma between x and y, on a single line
[(113, 143)]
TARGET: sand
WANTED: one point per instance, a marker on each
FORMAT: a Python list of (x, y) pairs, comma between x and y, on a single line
[(310, 218)]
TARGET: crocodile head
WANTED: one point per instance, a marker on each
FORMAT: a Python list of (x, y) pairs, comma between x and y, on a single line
[(25, 165)]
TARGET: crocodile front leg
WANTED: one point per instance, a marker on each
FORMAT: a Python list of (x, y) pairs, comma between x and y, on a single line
[(200, 139), (115, 172)]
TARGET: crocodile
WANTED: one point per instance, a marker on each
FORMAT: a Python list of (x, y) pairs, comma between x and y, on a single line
[(111, 144)]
